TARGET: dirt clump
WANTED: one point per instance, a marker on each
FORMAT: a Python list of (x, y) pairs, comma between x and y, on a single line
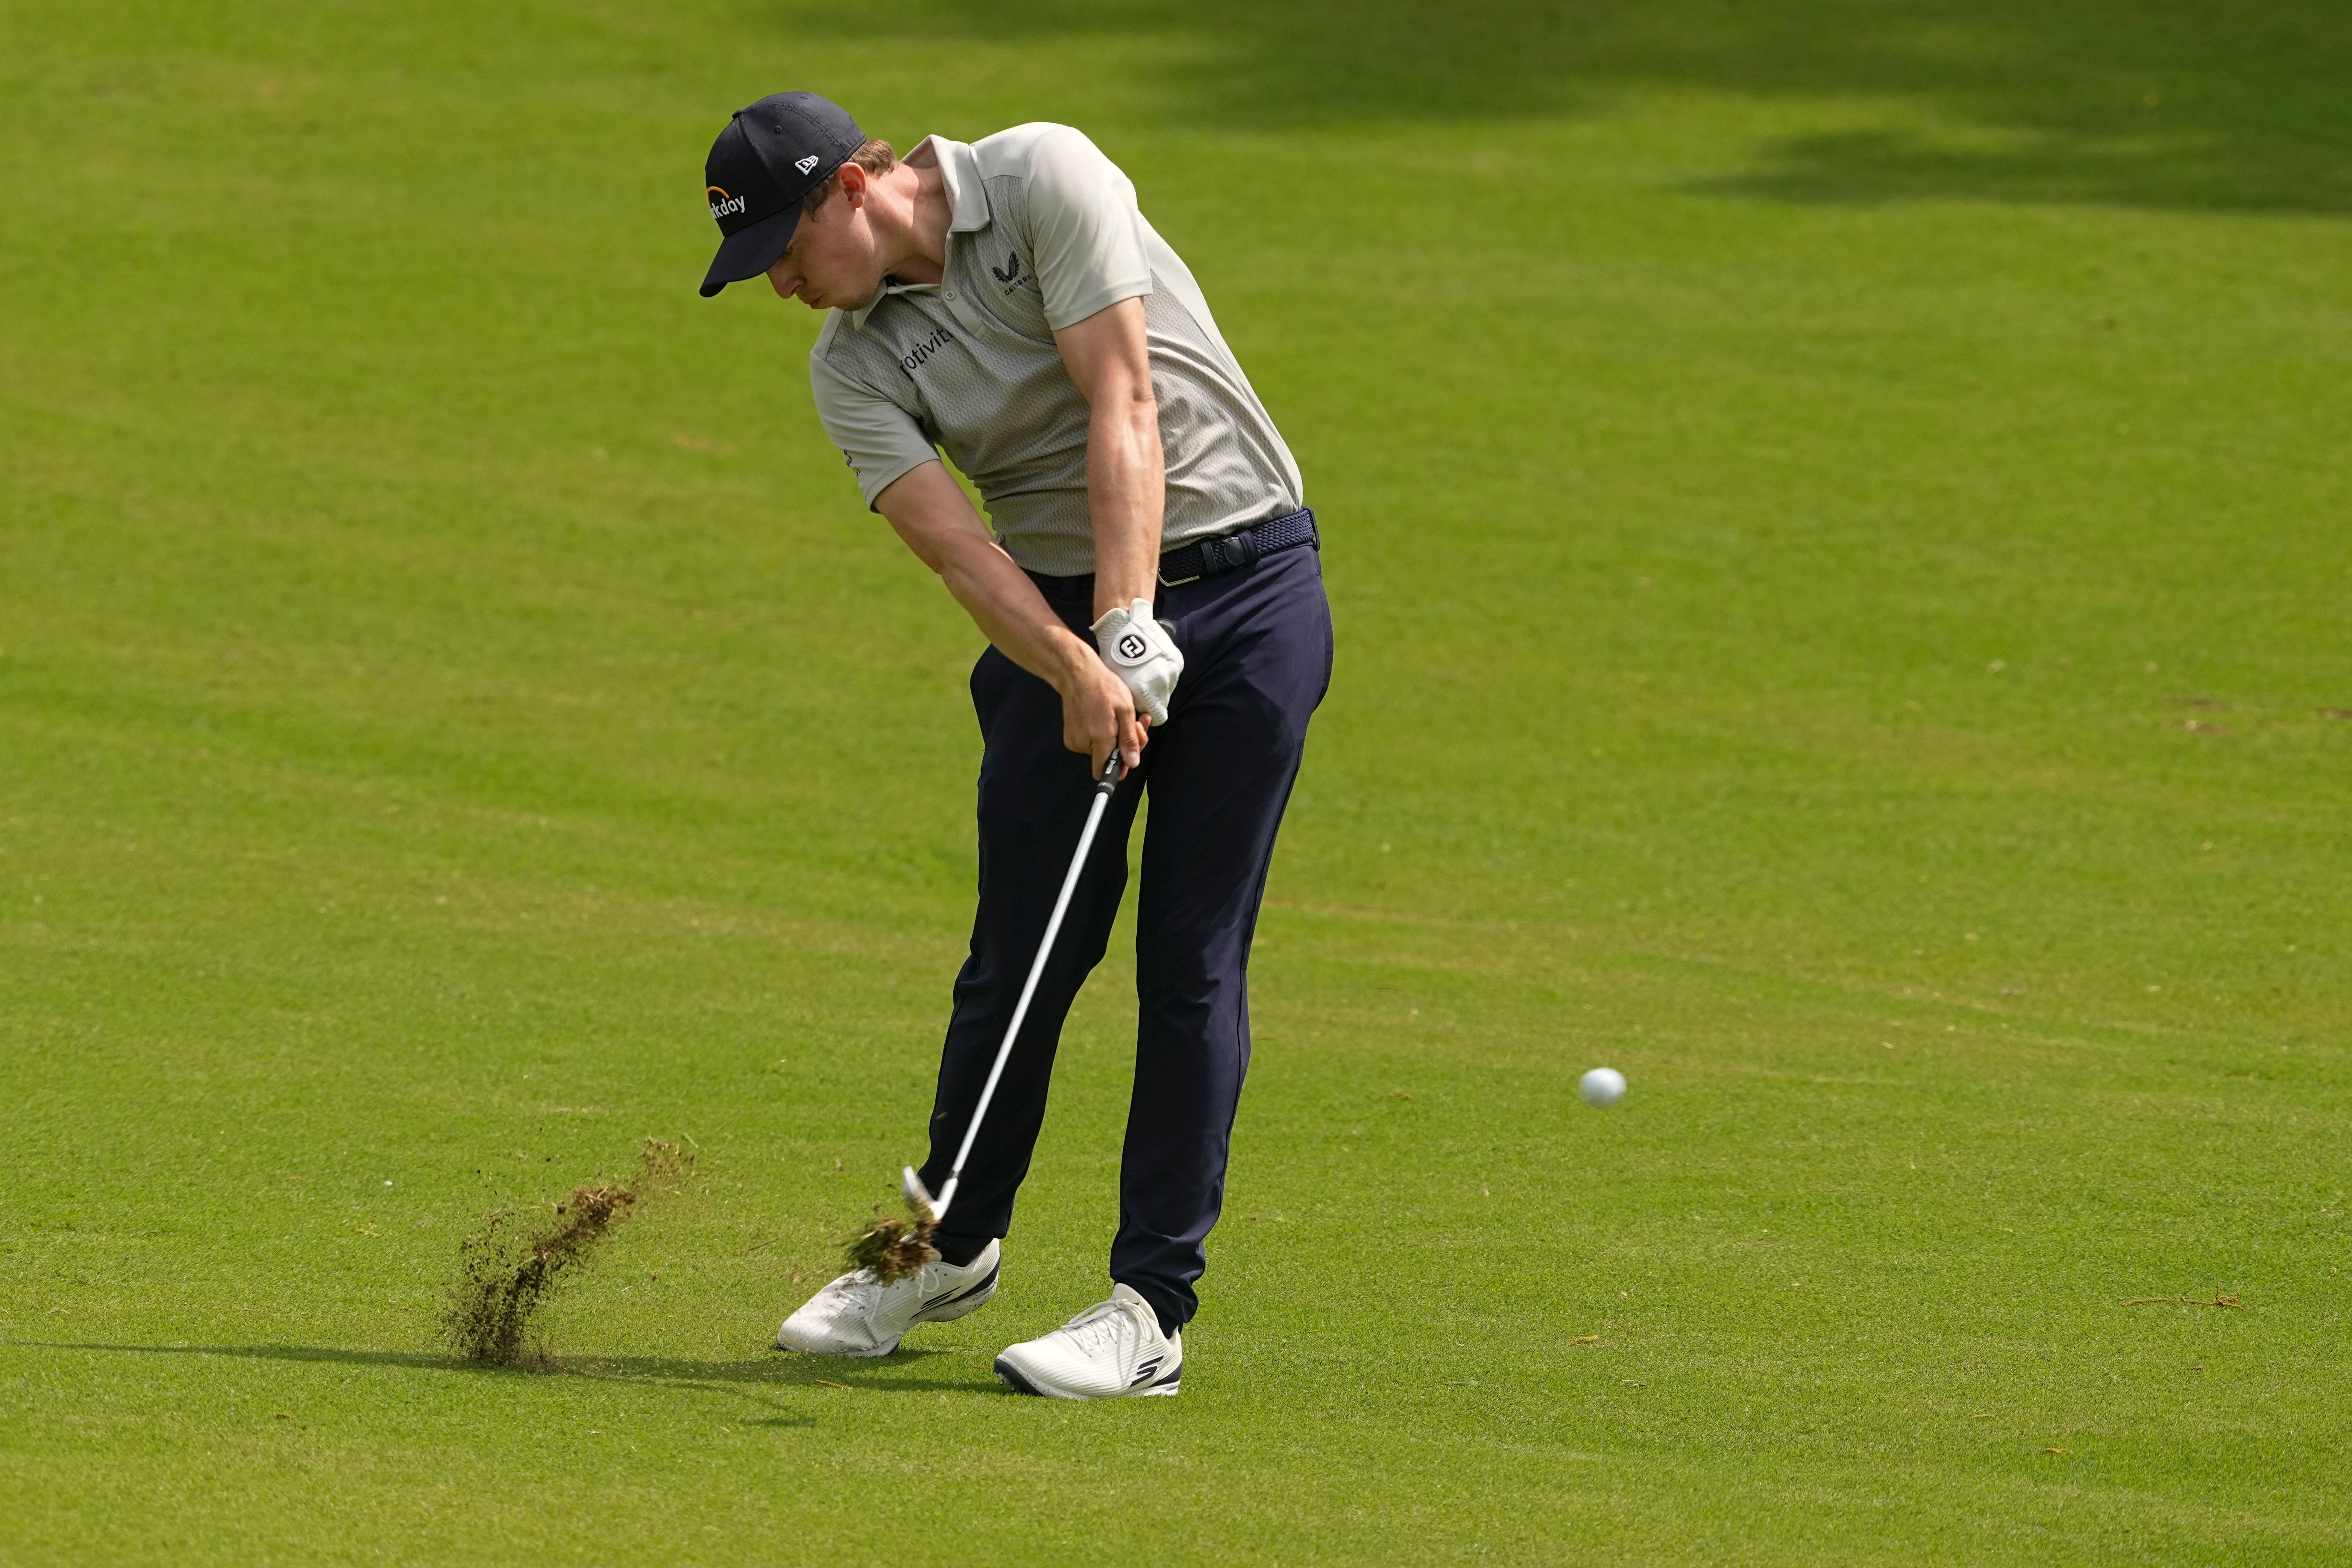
[(896, 1249), (505, 1275)]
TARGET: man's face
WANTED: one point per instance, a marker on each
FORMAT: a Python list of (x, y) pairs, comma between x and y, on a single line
[(833, 263)]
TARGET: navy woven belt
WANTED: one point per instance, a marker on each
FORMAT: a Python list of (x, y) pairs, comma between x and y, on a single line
[(1233, 552)]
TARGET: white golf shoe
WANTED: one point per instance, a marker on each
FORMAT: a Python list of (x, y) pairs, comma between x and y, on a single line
[(857, 1315), (1115, 1351)]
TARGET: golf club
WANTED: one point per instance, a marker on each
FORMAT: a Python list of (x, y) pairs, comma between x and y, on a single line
[(894, 1249)]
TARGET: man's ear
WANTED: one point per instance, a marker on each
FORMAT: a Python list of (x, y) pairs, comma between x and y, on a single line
[(852, 180)]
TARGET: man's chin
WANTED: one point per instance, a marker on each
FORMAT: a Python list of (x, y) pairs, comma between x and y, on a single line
[(841, 302)]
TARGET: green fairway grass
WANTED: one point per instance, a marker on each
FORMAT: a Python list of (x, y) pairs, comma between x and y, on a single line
[(1836, 516)]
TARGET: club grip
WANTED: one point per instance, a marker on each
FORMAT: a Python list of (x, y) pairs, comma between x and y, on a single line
[(1109, 780)]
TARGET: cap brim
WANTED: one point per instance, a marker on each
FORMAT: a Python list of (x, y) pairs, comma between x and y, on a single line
[(747, 253)]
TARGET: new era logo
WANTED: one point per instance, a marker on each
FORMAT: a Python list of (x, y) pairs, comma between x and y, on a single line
[(807, 163)]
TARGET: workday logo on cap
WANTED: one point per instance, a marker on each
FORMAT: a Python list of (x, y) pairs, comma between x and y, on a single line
[(723, 206)]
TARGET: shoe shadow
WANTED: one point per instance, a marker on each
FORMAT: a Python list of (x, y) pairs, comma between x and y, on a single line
[(783, 1369), (740, 1379)]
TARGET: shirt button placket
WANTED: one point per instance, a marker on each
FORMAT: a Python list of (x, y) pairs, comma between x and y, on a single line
[(958, 306), (962, 308)]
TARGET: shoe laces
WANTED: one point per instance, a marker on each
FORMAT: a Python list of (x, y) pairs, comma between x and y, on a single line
[(857, 1292), (1098, 1327)]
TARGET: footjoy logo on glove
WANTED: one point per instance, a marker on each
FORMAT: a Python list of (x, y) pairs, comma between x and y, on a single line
[(1132, 647), (721, 203), (807, 163)]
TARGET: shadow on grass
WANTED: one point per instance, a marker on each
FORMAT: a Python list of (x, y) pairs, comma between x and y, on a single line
[(775, 1370), (2164, 103)]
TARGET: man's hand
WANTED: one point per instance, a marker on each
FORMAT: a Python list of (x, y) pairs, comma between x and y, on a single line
[(1144, 656), (1099, 713)]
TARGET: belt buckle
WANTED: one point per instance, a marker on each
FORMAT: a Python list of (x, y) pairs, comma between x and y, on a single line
[(1220, 553), (1209, 566)]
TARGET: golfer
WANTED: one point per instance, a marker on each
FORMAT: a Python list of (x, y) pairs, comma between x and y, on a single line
[(1148, 580)]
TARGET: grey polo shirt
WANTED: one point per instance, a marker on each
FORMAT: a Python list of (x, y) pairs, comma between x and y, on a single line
[(1045, 232)]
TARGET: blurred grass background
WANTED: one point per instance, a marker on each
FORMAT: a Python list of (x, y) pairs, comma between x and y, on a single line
[(1834, 516)]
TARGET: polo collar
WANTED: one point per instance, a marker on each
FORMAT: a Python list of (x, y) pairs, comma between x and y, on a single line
[(967, 208), (959, 167)]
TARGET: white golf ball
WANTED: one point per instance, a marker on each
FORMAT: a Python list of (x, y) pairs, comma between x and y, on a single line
[(1604, 1086)]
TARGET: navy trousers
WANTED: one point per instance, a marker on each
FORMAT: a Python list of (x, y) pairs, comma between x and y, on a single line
[(1257, 660)]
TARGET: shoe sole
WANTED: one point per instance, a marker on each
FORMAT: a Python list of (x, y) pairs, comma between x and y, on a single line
[(1010, 1376)]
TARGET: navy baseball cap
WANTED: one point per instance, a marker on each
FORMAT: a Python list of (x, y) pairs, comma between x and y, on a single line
[(770, 157)]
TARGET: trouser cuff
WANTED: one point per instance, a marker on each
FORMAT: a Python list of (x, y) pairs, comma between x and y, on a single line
[(958, 1251), (1173, 1311)]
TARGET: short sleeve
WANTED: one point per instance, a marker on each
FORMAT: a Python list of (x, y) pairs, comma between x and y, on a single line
[(882, 441), (1085, 229)]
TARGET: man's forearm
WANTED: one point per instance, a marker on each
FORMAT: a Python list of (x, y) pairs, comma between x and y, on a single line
[(1126, 494), (1010, 612), (932, 514), (1109, 356)]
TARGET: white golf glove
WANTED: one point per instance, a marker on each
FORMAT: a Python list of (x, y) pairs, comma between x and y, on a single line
[(1140, 652)]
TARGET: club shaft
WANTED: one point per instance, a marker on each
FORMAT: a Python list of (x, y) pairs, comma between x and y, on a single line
[(1028, 990)]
